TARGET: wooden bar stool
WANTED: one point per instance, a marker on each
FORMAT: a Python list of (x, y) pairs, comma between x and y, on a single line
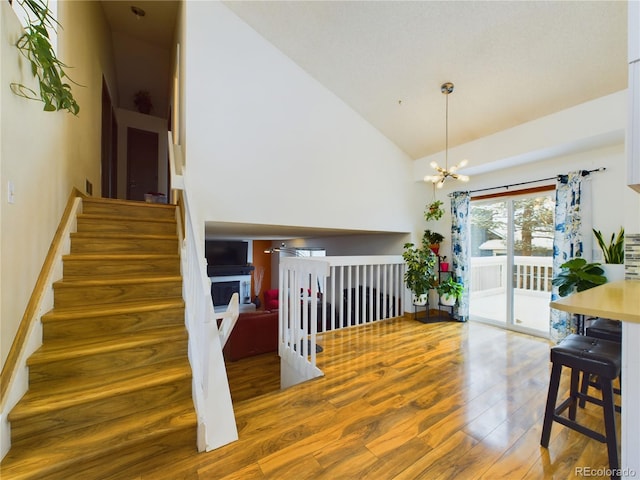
[(605, 329), (591, 356)]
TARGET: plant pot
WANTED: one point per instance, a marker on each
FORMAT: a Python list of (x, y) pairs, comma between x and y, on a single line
[(420, 300), (613, 272), (444, 266), (435, 248), (447, 300)]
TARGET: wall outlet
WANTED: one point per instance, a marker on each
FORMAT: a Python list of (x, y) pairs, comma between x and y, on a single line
[(11, 193), (88, 187)]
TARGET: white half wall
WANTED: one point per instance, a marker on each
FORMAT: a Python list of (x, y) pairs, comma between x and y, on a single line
[(268, 144)]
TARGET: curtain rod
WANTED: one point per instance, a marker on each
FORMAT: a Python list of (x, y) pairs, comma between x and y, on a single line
[(584, 173)]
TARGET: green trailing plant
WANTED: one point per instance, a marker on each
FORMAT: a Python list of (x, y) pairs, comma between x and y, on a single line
[(613, 251), (450, 288), (35, 46), (578, 275), (433, 211), (419, 275)]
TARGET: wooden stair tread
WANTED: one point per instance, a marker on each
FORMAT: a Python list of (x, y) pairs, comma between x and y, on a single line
[(56, 350), (123, 218), (104, 310), (121, 280), (119, 256), (123, 236), (33, 458), (78, 391), (132, 203)]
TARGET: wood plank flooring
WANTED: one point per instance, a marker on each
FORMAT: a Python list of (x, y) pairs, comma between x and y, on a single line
[(399, 400)]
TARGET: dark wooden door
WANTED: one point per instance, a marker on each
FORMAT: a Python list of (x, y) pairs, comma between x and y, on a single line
[(142, 163)]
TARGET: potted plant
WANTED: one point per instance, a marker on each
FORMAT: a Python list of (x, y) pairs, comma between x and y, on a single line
[(578, 275), (142, 101), (419, 275), (433, 211), (433, 239), (450, 291), (613, 254), (444, 265)]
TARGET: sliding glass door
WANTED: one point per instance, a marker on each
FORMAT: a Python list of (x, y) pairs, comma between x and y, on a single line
[(511, 256)]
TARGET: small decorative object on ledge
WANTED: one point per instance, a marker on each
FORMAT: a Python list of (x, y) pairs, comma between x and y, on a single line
[(142, 101), (155, 197)]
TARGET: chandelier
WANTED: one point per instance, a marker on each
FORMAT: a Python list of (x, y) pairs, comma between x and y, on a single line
[(446, 172)]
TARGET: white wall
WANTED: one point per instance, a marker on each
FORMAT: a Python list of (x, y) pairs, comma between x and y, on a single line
[(268, 144), (45, 154)]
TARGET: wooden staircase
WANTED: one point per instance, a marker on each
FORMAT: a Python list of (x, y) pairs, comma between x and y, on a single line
[(110, 388)]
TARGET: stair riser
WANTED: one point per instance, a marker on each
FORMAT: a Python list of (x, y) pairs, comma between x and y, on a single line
[(104, 225), (96, 268), (139, 211), (110, 362), (67, 296), (113, 324), (58, 422), (124, 245)]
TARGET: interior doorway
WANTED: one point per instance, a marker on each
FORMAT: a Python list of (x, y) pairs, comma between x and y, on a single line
[(142, 163), (109, 146)]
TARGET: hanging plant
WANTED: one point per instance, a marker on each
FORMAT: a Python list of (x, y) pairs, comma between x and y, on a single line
[(35, 46), (434, 211)]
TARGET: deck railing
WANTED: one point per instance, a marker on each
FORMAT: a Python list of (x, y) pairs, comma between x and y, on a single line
[(318, 294), (489, 274)]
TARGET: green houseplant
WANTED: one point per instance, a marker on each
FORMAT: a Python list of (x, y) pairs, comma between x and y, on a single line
[(35, 46), (613, 252), (433, 239), (450, 291), (419, 275), (578, 275)]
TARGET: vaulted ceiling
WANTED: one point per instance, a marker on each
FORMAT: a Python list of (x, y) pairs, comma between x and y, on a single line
[(510, 61)]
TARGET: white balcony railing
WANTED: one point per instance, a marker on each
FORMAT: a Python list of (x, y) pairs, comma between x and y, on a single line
[(318, 294), (489, 274)]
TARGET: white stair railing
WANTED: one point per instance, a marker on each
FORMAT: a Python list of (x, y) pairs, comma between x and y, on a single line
[(212, 398)]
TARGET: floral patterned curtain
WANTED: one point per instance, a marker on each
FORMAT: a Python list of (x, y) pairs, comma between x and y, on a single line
[(567, 242), (460, 248)]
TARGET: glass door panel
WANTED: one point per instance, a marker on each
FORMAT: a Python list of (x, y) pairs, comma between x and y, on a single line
[(489, 232), (511, 257), (532, 261)]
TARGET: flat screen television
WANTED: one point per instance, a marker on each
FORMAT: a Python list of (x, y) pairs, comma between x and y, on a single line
[(226, 252)]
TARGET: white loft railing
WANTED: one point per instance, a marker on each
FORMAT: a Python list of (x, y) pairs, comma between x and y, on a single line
[(318, 294), (211, 395), (489, 274)]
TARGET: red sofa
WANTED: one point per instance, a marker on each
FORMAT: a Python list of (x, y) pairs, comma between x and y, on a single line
[(255, 333)]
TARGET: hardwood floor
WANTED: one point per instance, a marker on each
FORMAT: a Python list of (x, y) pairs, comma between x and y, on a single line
[(400, 400)]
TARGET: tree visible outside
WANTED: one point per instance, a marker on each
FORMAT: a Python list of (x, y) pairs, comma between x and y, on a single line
[(532, 219)]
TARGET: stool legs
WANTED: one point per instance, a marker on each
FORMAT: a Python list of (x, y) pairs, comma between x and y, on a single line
[(552, 413), (554, 385), (610, 423)]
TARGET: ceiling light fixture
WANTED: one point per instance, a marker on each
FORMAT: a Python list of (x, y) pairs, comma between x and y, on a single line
[(444, 173), (138, 12)]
